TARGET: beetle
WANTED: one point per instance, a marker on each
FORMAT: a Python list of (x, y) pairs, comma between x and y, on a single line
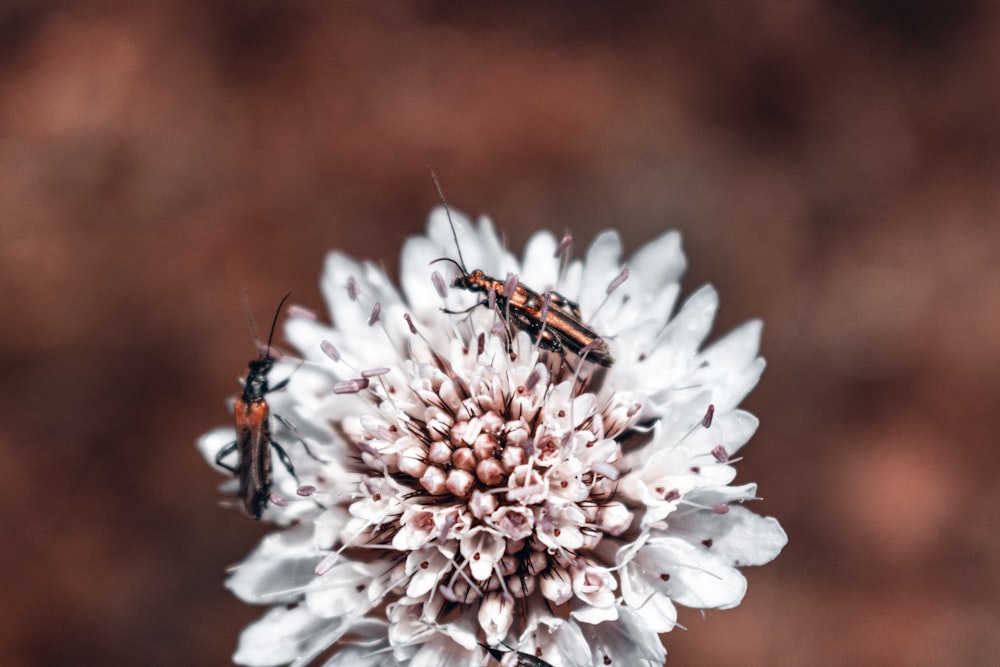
[(553, 321), (253, 431)]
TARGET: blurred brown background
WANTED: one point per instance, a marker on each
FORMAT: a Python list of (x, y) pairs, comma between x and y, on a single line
[(834, 167)]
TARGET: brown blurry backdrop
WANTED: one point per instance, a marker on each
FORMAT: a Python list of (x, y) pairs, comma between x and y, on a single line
[(834, 168)]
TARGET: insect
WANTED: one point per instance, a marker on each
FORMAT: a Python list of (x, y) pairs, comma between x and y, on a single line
[(523, 659), (553, 321), (253, 431)]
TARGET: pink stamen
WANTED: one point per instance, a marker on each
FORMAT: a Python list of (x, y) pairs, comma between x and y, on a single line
[(350, 386), (449, 521), (352, 288), (439, 284), (327, 564), (375, 372), (720, 453), (706, 421), (301, 312), (386, 435), (306, 490), (510, 285), (409, 322), (533, 377), (376, 311), (617, 282), (447, 593), (597, 342), (563, 245), (329, 350), (545, 306)]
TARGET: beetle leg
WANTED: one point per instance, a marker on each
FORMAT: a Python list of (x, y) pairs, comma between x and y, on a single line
[(286, 461), (291, 427), (223, 453)]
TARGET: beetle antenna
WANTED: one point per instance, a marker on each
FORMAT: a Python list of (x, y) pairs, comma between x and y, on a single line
[(447, 211), (274, 322), (449, 259), (253, 327)]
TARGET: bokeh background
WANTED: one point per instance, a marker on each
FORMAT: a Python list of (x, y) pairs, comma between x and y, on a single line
[(834, 168)]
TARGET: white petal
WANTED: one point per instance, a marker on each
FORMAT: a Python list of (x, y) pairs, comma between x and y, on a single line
[(415, 273), (636, 322), (560, 641), (369, 648), (739, 537), (736, 427), (439, 231), (496, 614), (659, 613), (279, 567), (601, 265), (689, 328), (278, 637), (424, 579), (496, 260), (696, 577), (628, 642), (444, 653), (556, 585), (362, 656), (483, 549), (540, 269), (729, 393), (336, 593), (659, 262), (734, 350)]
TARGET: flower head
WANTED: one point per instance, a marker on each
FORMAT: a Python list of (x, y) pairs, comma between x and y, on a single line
[(482, 487)]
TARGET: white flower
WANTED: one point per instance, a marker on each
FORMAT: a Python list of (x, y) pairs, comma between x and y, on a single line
[(474, 495)]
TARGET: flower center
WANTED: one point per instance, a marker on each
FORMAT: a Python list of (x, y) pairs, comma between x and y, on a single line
[(492, 479)]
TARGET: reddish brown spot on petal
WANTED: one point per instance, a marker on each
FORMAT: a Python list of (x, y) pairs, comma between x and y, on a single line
[(424, 565), (707, 543), (664, 576)]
